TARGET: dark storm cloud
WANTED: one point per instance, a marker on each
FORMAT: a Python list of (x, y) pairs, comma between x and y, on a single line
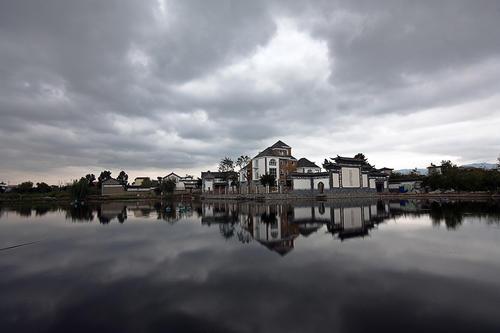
[(178, 84)]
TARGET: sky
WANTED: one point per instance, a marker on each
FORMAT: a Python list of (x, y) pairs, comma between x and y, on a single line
[(151, 87)]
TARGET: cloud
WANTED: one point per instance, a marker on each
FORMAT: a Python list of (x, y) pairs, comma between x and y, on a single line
[(161, 85)]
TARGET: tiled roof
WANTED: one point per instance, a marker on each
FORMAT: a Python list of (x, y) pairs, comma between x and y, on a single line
[(217, 174), (349, 160), (271, 152), (280, 144), (111, 181), (305, 163)]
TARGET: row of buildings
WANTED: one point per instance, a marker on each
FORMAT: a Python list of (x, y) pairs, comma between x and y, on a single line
[(146, 185), (341, 174)]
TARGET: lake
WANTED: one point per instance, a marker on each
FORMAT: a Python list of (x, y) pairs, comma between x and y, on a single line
[(342, 266)]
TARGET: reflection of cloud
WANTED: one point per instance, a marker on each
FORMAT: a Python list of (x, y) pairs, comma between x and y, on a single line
[(164, 277)]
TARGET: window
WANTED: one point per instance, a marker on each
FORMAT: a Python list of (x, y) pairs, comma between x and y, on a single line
[(309, 171), (272, 162), (272, 172)]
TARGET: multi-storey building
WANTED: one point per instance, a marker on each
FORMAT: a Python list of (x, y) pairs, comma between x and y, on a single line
[(276, 160)]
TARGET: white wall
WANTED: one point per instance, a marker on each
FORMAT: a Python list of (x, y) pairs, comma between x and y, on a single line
[(301, 184), (365, 180), (372, 183), (350, 177), (208, 185), (306, 170), (325, 181), (336, 180)]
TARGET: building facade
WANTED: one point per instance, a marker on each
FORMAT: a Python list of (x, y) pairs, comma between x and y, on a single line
[(276, 160), (112, 187), (306, 166), (218, 182), (343, 174)]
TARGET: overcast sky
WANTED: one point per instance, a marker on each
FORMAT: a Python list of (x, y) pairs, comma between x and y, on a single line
[(155, 86)]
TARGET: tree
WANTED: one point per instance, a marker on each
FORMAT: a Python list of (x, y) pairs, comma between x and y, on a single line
[(25, 187), (327, 164), (226, 164), (360, 156), (268, 180), (105, 175), (80, 189), (242, 161), (43, 187), (122, 178), (168, 186), (90, 179)]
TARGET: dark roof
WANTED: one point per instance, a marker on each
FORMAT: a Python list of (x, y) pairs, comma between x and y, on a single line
[(142, 178), (349, 160), (310, 174), (305, 163), (217, 174), (111, 181), (172, 174), (270, 151), (280, 144), (384, 168)]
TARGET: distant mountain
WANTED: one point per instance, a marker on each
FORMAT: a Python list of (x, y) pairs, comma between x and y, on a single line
[(408, 171), (486, 166)]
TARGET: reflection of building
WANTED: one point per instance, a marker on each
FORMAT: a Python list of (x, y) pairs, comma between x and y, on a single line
[(348, 222), (219, 212), (110, 210), (270, 227), (276, 226)]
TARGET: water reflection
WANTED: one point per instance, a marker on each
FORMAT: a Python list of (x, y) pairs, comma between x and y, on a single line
[(240, 267)]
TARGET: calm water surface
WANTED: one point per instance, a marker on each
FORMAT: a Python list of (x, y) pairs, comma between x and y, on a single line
[(344, 266)]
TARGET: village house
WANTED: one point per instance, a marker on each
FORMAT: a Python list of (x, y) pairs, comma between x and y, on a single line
[(141, 181), (344, 174), (112, 186), (434, 170), (306, 166), (276, 160), (187, 183), (218, 182), (387, 171)]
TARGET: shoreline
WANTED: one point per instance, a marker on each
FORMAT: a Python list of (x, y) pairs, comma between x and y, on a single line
[(258, 197)]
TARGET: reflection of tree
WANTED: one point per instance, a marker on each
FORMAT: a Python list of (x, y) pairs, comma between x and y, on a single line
[(106, 212), (23, 211), (79, 213), (452, 213), (269, 218), (226, 230), (449, 213)]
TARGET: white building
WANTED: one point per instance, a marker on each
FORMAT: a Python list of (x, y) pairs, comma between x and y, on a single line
[(182, 183), (276, 160), (344, 174), (306, 166)]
